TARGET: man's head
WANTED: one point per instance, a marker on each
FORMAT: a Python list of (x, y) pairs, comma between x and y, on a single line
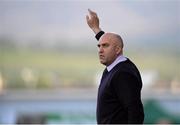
[(110, 47)]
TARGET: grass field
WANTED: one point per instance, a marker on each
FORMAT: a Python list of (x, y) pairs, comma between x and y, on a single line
[(46, 69), (68, 68)]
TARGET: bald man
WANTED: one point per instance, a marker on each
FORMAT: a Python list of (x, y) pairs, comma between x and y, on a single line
[(119, 92)]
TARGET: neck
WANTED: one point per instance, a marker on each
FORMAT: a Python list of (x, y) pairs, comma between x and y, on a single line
[(119, 59)]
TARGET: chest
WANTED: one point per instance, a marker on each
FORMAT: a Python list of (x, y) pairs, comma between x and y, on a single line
[(106, 90)]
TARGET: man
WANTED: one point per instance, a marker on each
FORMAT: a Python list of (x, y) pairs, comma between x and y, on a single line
[(119, 93)]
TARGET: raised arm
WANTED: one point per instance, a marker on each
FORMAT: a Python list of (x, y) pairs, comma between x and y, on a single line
[(93, 22)]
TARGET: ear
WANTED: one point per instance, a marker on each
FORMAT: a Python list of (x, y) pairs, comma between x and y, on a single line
[(118, 50)]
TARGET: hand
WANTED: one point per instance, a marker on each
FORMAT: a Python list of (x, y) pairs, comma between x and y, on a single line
[(93, 21)]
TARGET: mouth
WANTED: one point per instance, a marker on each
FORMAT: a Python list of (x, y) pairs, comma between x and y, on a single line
[(101, 56)]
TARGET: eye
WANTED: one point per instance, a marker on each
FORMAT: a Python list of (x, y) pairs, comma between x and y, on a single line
[(105, 45)]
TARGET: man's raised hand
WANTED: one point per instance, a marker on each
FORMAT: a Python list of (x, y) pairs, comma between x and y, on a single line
[(93, 21)]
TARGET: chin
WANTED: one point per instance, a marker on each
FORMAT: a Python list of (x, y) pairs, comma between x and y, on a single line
[(104, 63)]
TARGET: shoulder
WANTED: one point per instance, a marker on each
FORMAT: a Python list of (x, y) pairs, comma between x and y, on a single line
[(126, 66), (126, 73), (126, 69)]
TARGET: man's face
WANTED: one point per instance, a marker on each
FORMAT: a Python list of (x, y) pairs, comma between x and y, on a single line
[(108, 50)]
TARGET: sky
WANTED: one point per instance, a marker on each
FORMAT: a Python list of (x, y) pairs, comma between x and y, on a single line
[(51, 20)]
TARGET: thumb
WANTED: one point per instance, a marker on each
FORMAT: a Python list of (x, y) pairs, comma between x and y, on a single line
[(87, 17)]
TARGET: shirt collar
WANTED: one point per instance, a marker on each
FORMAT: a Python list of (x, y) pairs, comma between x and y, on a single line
[(119, 59)]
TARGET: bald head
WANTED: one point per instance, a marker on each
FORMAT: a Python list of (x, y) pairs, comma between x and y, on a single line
[(113, 38), (110, 47)]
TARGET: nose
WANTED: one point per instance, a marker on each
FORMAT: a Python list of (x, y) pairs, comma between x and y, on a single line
[(100, 49)]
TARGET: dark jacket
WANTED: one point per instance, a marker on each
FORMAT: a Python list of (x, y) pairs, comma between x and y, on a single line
[(119, 96)]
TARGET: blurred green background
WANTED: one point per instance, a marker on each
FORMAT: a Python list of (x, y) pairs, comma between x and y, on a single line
[(49, 66)]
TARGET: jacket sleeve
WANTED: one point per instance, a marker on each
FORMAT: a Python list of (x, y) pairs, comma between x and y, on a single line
[(98, 35), (128, 91)]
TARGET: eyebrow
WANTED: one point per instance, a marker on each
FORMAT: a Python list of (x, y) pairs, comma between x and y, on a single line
[(104, 44)]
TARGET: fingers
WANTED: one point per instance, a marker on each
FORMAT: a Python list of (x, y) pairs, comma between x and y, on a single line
[(92, 13)]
